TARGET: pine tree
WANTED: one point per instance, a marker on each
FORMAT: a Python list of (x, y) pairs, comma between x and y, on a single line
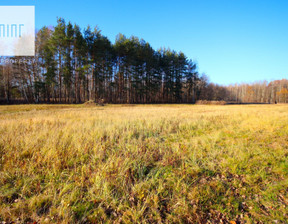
[(58, 42)]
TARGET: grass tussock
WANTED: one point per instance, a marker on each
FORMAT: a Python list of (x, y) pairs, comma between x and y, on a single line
[(144, 164), (99, 102), (211, 102), (90, 103)]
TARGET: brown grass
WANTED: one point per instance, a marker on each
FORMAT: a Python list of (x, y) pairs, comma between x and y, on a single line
[(144, 164)]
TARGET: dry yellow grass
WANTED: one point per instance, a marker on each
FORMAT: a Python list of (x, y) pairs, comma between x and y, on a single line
[(144, 163)]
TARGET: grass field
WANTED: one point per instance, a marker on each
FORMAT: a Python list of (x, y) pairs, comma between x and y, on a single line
[(144, 164)]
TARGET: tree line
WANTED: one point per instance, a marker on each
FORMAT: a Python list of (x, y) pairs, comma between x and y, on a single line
[(74, 65), (257, 92)]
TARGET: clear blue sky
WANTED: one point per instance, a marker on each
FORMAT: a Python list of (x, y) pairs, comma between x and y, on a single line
[(231, 40)]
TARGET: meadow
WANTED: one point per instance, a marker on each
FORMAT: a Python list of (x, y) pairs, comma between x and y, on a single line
[(144, 164)]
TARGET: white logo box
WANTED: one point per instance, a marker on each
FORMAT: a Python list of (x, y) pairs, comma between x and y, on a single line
[(17, 30)]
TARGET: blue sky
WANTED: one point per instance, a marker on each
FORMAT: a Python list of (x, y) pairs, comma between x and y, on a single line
[(232, 41)]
